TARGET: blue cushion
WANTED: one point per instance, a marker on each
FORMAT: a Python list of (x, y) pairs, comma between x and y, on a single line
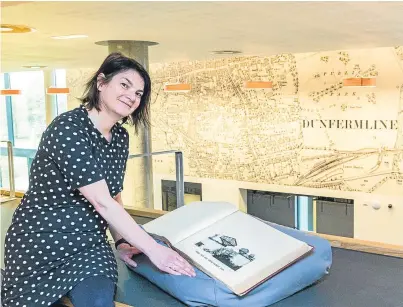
[(203, 290)]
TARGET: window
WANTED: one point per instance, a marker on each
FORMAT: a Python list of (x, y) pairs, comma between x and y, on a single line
[(61, 99), (4, 100), (23, 120), (29, 111), (3, 114)]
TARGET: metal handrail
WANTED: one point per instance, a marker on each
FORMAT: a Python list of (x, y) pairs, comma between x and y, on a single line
[(10, 158), (180, 183)]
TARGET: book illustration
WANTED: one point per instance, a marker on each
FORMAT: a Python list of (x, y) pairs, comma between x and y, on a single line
[(209, 236), (224, 249)]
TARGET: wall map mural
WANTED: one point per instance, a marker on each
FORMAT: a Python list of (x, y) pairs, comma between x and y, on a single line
[(308, 130)]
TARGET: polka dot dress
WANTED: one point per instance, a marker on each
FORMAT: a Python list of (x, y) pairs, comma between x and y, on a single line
[(57, 238)]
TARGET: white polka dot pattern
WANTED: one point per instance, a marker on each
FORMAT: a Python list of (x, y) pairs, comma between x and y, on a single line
[(57, 238)]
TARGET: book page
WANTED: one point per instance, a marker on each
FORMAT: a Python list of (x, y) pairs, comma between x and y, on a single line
[(240, 250), (189, 219)]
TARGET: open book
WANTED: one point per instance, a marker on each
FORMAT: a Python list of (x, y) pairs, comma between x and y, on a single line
[(236, 248)]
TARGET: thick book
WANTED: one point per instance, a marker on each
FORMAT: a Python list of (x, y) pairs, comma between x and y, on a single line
[(227, 244)]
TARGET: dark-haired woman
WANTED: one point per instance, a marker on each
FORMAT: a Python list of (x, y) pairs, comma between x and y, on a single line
[(57, 243)]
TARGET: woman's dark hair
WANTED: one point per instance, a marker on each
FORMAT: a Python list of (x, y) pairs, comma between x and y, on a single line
[(113, 64)]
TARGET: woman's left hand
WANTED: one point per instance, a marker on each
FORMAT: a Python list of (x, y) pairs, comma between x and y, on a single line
[(126, 252)]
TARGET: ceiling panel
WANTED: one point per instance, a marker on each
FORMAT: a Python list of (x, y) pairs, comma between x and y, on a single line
[(191, 30)]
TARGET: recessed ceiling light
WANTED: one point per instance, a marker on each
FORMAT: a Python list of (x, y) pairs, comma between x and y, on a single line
[(34, 66), (70, 36), (8, 28), (226, 52)]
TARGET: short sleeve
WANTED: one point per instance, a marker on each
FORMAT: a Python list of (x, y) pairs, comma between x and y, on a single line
[(70, 147)]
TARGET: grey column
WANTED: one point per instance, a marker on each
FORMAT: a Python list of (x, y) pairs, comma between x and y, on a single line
[(141, 143)]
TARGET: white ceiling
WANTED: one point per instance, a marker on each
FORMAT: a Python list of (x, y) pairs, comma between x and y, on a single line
[(191, 30)]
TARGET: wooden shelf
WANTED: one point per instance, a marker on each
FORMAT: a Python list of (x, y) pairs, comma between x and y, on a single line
[(145, 212), (6, 192), (364, 246)]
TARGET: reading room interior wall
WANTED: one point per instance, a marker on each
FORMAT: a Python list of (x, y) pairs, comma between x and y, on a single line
[(309, 134)]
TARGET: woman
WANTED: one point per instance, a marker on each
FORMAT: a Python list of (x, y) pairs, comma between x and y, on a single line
[(57, 243)]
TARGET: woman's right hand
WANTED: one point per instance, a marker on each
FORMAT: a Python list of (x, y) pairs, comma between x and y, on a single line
[(167, 260)]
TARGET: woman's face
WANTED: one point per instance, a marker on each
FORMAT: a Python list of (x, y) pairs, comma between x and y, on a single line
[(122, 94)]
